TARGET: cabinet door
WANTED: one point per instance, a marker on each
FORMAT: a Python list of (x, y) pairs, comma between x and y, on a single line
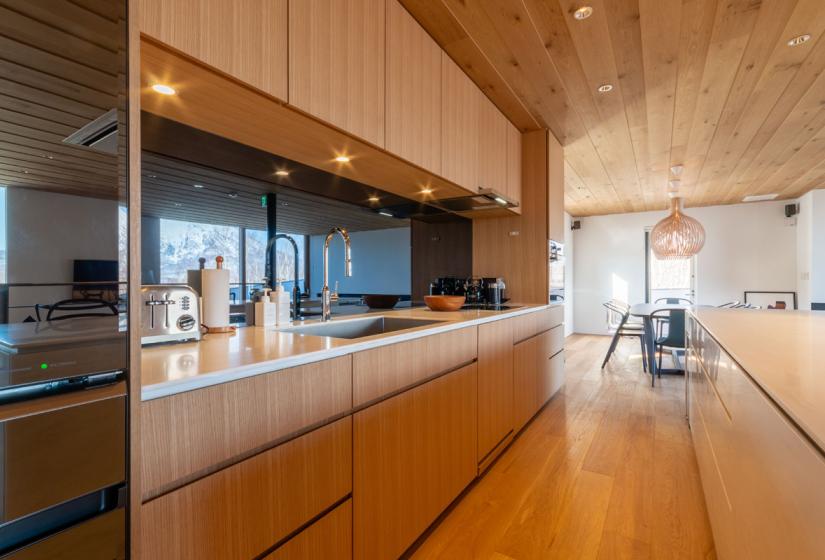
[(413, 90), (460, 110), (246, 39), (495, 384), (330, 537), (336, 63), (413, 455), (525, 381), (492, 147), (514, 165)]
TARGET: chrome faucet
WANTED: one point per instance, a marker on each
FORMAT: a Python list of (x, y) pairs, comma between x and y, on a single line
[(270, 279), (326, 312)]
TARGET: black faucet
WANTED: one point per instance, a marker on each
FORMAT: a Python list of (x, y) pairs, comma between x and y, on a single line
[(270, 272)]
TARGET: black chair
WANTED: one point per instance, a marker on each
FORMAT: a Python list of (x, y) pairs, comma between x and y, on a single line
[(674, 300), (74, 308), (675, 336), (623, 328)]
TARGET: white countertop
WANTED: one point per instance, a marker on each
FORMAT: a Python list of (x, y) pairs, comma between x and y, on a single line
[(219, 358), (782, 351)]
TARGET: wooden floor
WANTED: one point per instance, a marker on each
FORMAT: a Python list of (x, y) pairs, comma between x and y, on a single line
[(606, 470)]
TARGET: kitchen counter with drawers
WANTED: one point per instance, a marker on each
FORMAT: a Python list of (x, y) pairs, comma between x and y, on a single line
[(756, 405)]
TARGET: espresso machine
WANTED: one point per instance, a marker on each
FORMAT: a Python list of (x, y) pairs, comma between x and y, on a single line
[(484, 293)]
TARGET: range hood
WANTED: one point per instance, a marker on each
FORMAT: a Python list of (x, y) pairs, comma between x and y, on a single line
[(99, 135), (486, 199)]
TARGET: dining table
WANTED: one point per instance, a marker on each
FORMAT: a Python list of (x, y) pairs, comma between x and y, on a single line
[(644, 312)]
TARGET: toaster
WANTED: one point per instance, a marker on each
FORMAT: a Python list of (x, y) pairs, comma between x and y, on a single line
[(170, 314)]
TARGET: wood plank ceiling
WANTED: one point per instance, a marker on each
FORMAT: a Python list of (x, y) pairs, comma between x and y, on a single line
[(48, 91), (711, 85)]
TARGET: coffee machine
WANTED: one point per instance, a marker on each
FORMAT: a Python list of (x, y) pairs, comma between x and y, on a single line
[(484, 293)]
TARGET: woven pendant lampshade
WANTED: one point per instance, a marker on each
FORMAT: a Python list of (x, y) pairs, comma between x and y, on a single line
[(678, 236)]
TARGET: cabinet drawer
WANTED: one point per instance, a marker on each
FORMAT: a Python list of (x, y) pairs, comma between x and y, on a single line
[(554, 341), (536, 322), (191, 434), (330, 537), (387, 369), (243, 510), (551, 376)]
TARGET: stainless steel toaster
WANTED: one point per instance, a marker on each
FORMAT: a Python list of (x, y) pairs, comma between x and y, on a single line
[(170, 314)]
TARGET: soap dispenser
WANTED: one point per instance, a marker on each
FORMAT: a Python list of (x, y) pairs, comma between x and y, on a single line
[(282, 304), (265, 311)]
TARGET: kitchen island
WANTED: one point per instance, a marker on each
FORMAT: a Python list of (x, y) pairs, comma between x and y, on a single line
[(756, 404), (278, 444)]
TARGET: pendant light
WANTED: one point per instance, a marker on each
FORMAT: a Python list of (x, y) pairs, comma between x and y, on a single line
[(678, 236)]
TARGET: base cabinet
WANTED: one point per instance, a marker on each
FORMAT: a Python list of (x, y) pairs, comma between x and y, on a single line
[(538, 373), (413, 454), (330, 537), (495, 385)]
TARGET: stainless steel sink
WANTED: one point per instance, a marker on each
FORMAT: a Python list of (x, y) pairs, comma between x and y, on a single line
[(360, 328)]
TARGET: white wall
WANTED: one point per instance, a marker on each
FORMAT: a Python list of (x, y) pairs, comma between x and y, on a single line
[(48, 232), (810, 249), (381, 262), (748, 247), (569, 273)]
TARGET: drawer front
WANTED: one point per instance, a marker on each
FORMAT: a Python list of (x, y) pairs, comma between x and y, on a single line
[(525, 381), (551, 376), (387, 369), (536, 322), (555, 340), (329, 538), (194, 433), (245, 509)]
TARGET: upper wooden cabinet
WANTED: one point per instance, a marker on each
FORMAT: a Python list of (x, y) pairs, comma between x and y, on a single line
[(336, 63), (555, 188), (513, 190), (246, 39), (460, 108), (413, 90), (492, 147)]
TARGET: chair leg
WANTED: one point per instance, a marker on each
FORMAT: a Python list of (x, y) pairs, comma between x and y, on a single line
[(661, 351), (610, 350), (644, 354)]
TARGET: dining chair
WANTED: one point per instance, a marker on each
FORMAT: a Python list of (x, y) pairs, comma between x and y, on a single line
[(623, 328), (674, 300), (675, 337), (729, 304)]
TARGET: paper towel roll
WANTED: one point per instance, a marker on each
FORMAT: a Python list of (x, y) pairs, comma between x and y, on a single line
[(215, 293)]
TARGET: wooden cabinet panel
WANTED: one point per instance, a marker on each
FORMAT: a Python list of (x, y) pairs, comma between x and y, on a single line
[(461, 101), (525, 381), (247, 39), (413, 455), (243, 510), (514, 166), (531, 324), (336, 63), (413, 90), (550, 371), (328, 538), (492, 147), (387, 369), (495, 384), (555, 189), (190, 434)]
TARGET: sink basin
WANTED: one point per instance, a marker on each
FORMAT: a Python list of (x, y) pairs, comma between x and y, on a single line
[(360, 328)]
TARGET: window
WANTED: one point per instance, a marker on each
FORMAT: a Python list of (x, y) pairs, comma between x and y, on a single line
[(183, 243), (3, 265), (671, 278)]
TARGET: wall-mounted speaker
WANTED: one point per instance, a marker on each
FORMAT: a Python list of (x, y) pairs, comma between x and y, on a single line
[(576, 224), (791, 210)]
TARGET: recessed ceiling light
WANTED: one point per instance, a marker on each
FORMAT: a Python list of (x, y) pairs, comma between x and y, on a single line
[(232, 195), (677, 169), (373, 199), (759, 197), (177, 205), (583, 13), (164, 89), (282, 173), (342, 159), (604, 88), (799, 39), (152, 176), (198, 186), (385, 213), (426, 190)]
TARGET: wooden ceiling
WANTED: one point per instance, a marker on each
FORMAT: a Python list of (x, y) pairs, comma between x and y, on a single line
[(59, 70), (708, 84), (225, 198)]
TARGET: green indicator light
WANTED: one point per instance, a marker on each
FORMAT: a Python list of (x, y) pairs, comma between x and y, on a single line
[(44, 365)]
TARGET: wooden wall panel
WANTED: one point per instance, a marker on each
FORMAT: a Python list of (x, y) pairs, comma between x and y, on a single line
[(413, 455), (440, 249), (246, 39), (192, 433), (243, 510), (413, 90), (337, 63)]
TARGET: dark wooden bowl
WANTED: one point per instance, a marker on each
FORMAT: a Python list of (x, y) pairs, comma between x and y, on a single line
[(380, 301), (444, 303)]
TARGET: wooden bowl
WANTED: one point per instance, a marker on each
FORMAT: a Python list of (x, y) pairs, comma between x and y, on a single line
[(444, 303), (380, 301)]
